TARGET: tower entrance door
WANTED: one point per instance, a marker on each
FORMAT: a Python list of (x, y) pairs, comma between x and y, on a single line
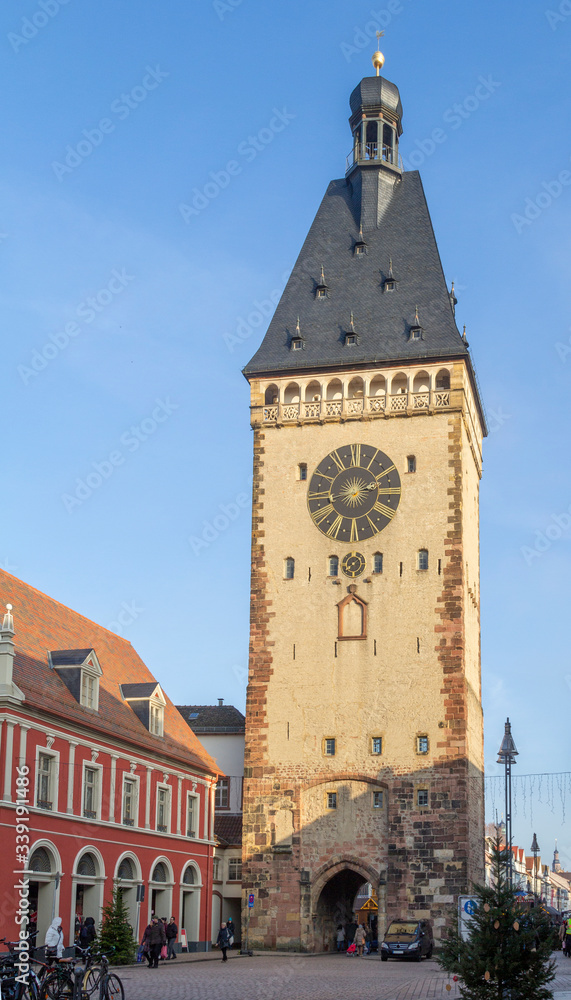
[(335, 906)]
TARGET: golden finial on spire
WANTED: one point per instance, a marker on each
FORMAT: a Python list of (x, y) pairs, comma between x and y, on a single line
[(378, 57)]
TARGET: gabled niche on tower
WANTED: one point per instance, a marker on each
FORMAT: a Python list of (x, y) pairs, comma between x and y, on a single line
[(352, 611)]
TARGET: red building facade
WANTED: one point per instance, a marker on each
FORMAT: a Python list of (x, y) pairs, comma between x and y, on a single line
[(102, 782)]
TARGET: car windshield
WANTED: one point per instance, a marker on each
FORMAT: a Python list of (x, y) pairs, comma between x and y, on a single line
[(399, 927)]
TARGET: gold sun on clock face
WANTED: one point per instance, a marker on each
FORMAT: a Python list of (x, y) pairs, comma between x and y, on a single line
[(354, 493)]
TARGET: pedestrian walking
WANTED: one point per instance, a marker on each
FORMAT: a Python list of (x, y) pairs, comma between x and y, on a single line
[(340, 937), (223, 941), (156, 938), (359, 939), (172, 934), (54, 939), (567, 941), (230, 929), (87, 933)]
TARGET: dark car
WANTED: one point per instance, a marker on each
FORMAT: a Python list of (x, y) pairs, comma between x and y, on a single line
[(407, 939)]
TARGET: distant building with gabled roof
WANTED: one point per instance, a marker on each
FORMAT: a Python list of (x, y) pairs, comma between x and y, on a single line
[(119, 790)]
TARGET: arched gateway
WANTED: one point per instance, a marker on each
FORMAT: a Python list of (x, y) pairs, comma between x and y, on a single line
[(333, 900)]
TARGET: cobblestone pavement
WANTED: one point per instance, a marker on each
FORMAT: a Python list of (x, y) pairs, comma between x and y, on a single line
[(298, 977)]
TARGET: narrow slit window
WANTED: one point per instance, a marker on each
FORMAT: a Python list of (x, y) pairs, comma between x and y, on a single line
[(400, 570), (411, 463), (439, 567), (302, 471), (378, 562), (289, 568), (333, 566)]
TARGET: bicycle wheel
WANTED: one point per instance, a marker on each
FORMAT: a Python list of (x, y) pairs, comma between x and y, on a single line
[(113, 988), (57, 986), (91, 981)]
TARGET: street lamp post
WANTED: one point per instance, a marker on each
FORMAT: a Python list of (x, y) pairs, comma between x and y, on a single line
[(506, 756), (535, 852)]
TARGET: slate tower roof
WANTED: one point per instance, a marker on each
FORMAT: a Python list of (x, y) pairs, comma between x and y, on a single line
[(372, 225)]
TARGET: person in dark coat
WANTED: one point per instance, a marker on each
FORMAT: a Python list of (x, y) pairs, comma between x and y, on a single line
[(172, 934), (157, 938), (87, 933), (230, 929), (223, 941)]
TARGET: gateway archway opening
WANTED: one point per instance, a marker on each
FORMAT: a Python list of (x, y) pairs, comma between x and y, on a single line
[(336, 905)]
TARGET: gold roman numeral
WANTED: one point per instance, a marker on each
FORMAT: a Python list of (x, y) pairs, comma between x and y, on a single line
[(389, 491), (356, 454), (333, 531), (323, 513), (383, 509), (354, 531), (337, 460), (385, 473), (373, 459), (319, 496), (374, 526)]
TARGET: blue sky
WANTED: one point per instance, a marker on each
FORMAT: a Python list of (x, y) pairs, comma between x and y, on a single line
[(127, 322)]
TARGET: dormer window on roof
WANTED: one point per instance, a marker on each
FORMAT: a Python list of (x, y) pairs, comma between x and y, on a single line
[(297, 342), (322, 288), (416, 330), (148, 703), (351, 337), (390, 282), (360, 246), (80, 671)]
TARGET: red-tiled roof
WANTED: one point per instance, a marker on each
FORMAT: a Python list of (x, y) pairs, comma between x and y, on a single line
[(228, 829), (42, 624)]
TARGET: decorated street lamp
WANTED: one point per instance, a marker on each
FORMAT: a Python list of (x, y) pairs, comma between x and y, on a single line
[(506, 756), (535, 852)]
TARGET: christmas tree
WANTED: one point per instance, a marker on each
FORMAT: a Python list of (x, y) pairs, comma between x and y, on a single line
[(116, 936), (508, 953)]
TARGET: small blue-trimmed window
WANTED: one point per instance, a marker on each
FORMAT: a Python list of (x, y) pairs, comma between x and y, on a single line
[(422, 797), (332, 800), (377, 800), (329, 746), (378, 562), (377, 745), (422, 744), (289, 568), (423, 559), (302, 470), (333, 566)]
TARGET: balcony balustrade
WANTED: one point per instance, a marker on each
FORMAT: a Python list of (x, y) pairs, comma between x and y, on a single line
[(358, 406)]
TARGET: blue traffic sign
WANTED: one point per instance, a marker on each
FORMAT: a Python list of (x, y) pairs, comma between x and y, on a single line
[(250, 900), (470, 906)]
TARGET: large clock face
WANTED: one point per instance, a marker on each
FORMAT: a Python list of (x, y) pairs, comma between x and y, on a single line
[(354, 493)]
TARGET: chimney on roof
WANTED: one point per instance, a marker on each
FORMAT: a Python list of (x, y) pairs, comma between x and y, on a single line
[(220, 702), (9, 692)]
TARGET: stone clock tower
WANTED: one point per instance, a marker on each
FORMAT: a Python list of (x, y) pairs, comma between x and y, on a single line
[(364, 744)]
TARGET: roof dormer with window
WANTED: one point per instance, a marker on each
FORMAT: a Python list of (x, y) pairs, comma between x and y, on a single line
[(148, 703), (80, 671)]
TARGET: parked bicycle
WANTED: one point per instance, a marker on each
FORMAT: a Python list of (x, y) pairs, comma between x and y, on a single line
[(68, 980), (15, 984)]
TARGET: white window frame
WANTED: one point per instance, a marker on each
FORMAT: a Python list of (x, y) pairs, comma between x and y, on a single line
[(158, 707), (195, 813), (54, 778), (163, 787), (420, 805), (377, 753), (217, 804), (232, 862), (378, 804), (423, 736), (127, 776), (98, 768), (326, 740), (217, 871), (91, 678), (328, 805)]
